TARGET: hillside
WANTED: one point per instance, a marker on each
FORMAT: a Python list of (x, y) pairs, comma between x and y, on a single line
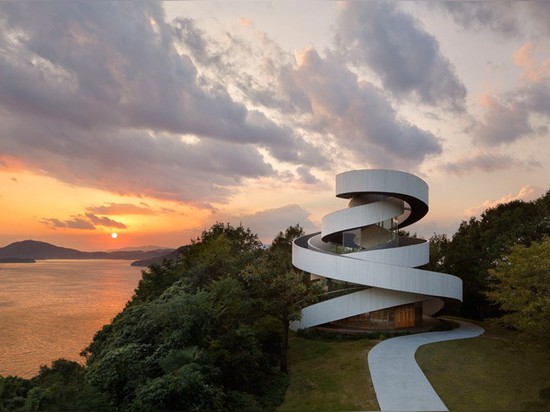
[(32, 249), (17, 260), (159, 259)]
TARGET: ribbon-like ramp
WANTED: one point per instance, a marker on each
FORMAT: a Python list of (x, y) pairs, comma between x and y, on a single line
[(372, 271)]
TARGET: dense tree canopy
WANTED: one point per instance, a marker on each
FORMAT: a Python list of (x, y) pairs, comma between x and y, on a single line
[(61, 387), (520, 285), (273, 276), (192, 337), (480, 243)]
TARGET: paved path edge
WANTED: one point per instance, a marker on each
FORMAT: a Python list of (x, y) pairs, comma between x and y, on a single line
[(399, 383)]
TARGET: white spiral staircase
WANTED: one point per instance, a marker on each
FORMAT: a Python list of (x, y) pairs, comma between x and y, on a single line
[(358, 249)]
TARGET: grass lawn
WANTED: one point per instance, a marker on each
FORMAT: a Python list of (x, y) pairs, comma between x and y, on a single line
[(329, 375), (492, 372)]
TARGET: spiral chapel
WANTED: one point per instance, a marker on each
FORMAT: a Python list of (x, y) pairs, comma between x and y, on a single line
[(372, 275)]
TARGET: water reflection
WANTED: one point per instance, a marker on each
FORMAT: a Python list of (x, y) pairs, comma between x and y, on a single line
[(52, 308)]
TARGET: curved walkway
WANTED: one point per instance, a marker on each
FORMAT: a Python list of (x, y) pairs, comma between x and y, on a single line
[(398, 381)]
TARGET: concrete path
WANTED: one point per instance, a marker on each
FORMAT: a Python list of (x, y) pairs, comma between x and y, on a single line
[(399, 383)]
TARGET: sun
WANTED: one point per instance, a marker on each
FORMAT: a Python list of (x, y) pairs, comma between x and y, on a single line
[(114, 235)]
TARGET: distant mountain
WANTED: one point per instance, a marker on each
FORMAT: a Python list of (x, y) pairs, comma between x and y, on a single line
[(17, 260), (32, 249), (159, 259)]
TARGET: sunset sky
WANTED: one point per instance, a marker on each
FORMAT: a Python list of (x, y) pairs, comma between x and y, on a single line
[(155, 120)]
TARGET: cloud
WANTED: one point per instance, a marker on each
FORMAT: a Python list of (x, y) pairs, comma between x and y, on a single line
[(98, 95), (502, 123), (320, 95), (105, 221), (121, 209), (534, 94), (268, 223), (88, 222), (512, 116), (306, 176), (236, 58), (74, 223), (526, 193), (78, 223), (405, 57), (485, 162), (539, 11), (497, 16), (502, 17), (317, 96), (134, 162), (188, 34), (356, 114), (525, 58)]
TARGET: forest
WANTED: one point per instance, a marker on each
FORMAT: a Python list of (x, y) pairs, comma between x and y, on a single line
[(209, 330), (479, 253), (206, 331)]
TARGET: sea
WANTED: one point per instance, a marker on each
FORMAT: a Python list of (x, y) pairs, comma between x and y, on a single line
[(52, 309)]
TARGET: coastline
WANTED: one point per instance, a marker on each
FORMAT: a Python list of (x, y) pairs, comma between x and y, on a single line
[(17, 260)]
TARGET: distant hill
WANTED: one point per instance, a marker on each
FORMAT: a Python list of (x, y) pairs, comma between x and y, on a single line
[(32, 249), (159, 259), (17, 260)]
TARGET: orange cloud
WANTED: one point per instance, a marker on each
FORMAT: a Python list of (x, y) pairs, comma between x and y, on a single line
[(12, 164), (121, 209), (105, 221), (74, 223), (87, 222), (246, 22), (487, 101), (525, 58), (526, 193)]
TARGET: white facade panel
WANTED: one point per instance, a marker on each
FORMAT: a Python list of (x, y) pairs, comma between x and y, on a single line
[(381, 181), (411, 255), (359, 216)]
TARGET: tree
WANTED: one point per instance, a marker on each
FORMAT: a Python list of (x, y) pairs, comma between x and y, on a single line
[(439, 249), (280, 290), (192, 338), (242, 239), (283, 296), (13, 392), (222, 249), (464, 259), (63, 387), (521, 287), (283, 241), (479, 244), (156, 279)]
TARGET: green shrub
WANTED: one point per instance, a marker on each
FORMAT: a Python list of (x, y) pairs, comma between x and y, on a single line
[(13, 392)]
